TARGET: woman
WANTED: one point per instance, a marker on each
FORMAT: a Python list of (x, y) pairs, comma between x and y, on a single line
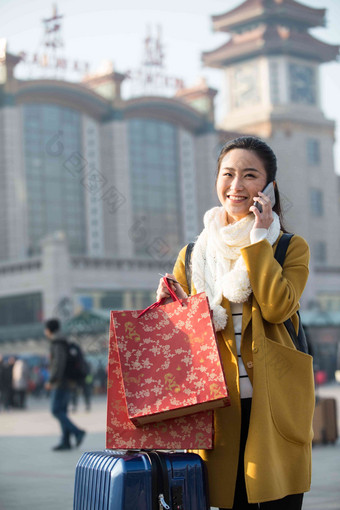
[(262, 452)]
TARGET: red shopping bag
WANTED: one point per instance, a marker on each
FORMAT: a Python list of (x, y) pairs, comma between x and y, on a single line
[(169, 360), (187, 432)]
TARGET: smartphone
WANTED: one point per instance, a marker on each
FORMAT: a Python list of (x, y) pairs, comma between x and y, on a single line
[(269, 190)]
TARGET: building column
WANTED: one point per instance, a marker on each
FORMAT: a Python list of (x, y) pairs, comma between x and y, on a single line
[(57, 277)]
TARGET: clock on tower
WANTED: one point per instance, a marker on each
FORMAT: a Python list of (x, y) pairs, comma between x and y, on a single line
[(245, 85), (302, 84)]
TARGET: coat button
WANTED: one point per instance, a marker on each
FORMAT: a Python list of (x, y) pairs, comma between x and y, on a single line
[(255, 350), (250, 364)]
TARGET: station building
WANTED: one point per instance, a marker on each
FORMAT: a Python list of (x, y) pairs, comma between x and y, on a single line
[(99, 193)]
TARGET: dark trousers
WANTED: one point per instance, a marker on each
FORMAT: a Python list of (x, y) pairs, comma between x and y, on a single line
[(59, 402), (20, 398), (293, 502)]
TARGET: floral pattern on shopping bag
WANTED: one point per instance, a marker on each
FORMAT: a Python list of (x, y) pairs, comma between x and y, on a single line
[(170, 360)]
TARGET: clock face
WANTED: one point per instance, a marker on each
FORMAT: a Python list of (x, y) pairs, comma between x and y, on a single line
[(245, 85), (302, 84)]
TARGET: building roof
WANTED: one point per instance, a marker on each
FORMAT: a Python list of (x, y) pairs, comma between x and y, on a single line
[(171, 110), (70, 95), (79, 96), (270, 40), (286, 11)]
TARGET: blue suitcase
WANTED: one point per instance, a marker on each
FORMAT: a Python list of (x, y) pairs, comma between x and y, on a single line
[(109, 480)]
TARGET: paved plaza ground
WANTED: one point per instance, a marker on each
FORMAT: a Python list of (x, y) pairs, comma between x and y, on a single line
[(32, 477)]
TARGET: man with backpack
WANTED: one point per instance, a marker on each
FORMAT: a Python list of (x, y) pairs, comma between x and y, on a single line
[(66, 369)]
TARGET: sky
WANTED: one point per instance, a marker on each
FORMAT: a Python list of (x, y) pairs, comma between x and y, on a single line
[(114, 30)]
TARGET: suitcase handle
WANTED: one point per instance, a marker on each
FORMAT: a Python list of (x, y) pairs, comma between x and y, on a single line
[(160, 301), (162, 502)]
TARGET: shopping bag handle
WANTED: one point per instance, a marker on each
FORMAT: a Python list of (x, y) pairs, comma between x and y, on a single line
[(160, 301)]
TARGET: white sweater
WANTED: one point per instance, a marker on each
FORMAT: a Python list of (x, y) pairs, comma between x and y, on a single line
[(246, 388)]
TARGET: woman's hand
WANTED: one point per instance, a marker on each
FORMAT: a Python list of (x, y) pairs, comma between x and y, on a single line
[(163, 293), (265, 218)]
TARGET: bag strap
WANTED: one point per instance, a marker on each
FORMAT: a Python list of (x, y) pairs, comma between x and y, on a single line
[(160, 301), (282, 246), (299, 339), (188, 253)]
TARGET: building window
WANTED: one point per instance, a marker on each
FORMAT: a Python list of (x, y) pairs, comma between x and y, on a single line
[(155, 188), (112, 300), (22, 309), (274, 82), (320, 252), (52, 133), (316, 202), (313, 151)]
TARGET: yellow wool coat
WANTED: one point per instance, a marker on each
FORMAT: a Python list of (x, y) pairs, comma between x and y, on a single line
[(278, 450)]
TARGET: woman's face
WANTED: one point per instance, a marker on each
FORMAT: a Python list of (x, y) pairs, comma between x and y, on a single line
[(241, 176)]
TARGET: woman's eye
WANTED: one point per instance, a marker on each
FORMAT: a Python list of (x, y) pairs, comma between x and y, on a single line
[(250, 175)]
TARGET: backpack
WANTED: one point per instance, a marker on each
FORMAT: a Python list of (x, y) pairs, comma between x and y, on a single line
[(76, 365), (299, 340)]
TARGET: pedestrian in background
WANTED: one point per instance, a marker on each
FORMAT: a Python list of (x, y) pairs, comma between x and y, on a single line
[(1, 381), (7, 382), (262, 445), (60, 386), (20, 377)]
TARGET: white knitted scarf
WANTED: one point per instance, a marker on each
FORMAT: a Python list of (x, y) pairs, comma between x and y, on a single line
[(218, 267)]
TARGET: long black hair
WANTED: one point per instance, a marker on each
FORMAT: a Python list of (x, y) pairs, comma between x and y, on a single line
[(265, 154)]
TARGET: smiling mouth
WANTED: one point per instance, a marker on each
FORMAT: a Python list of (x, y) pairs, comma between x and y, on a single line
[(236, 198)]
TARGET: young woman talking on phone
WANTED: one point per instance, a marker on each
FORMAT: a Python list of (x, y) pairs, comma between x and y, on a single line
[(262, 452)]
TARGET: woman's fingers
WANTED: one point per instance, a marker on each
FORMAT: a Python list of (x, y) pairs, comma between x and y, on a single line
[(263, 200), (255, 210), (171, 281), (163, 292), (265, 218)]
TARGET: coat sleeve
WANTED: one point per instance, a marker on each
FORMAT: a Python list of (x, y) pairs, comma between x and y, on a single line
[(277, 289), (179, 270)]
